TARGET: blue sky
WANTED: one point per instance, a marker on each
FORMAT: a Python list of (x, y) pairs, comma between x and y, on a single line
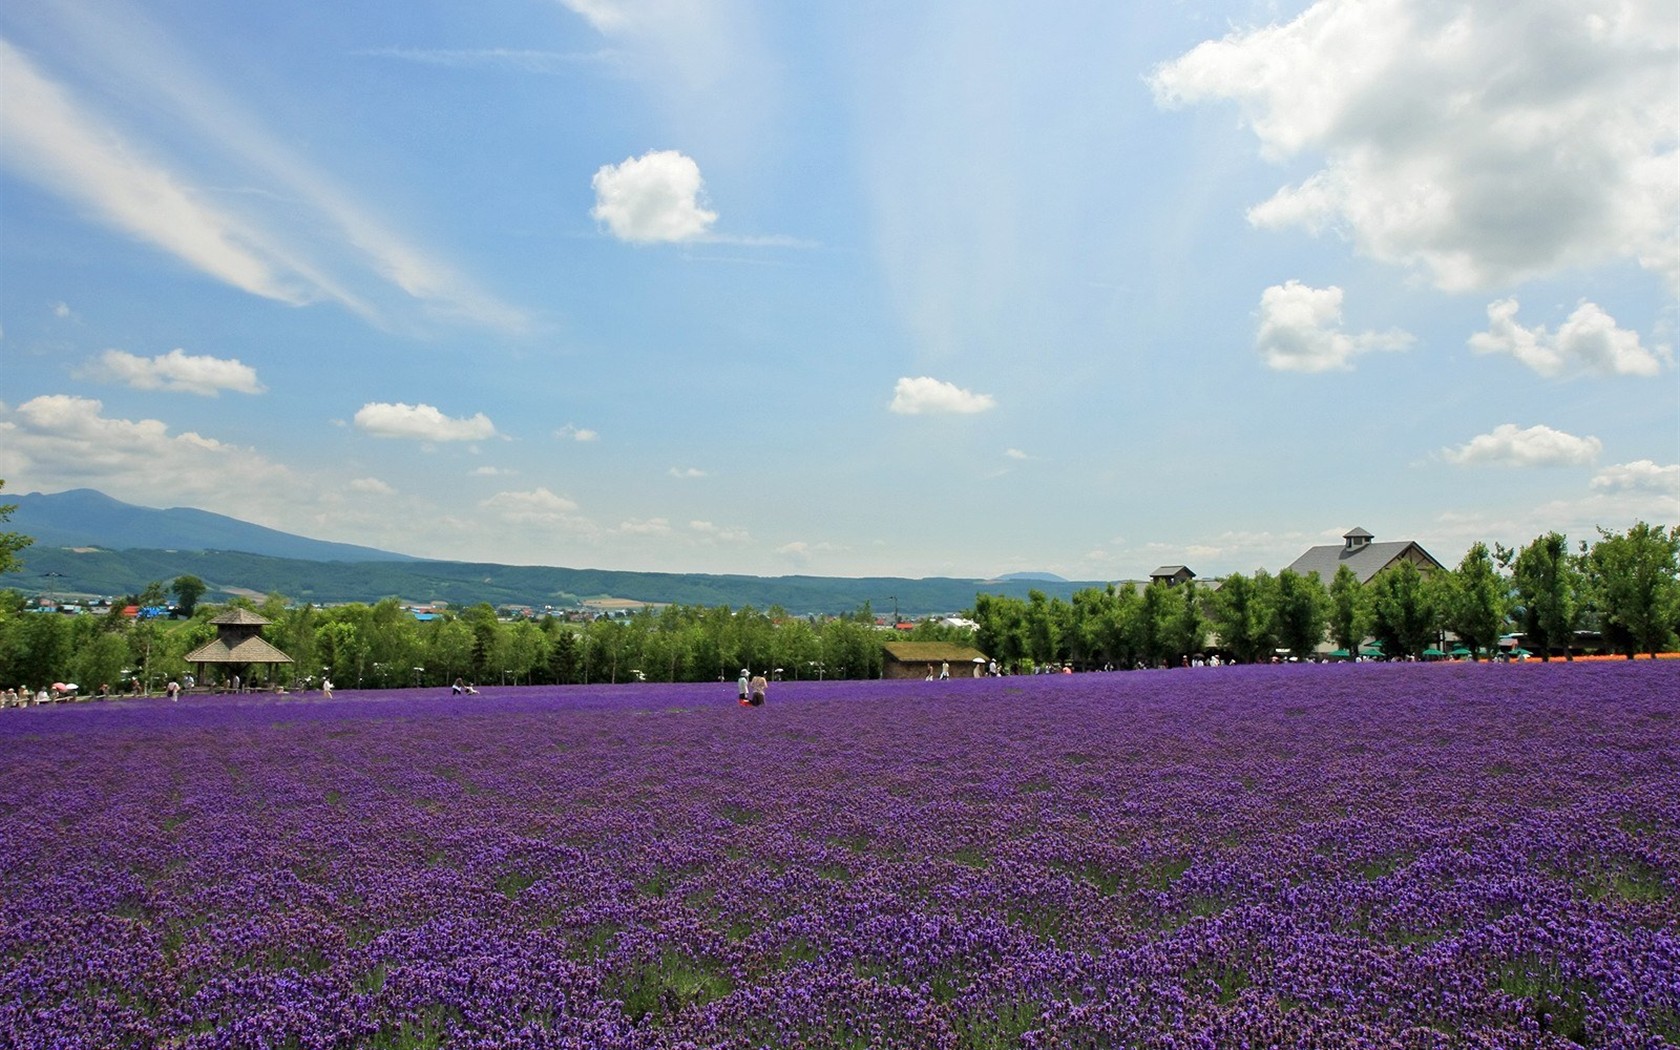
[(926, 288)]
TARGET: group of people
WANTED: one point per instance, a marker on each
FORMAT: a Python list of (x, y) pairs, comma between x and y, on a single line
[(752, 688)]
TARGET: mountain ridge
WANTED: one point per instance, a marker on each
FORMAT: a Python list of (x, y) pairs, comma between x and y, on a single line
[(84, 561)]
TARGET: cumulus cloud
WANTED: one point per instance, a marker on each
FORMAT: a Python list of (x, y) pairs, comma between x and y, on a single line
[(420, 423), (1483, 143), (177, 370), (708, 532), (573, 432), (1537, 446), (371, 487), (1301, 330), (686, 472), (1641, 474), (925, 395), (652, 198), (1015, 454), (1589, 341), (72, 442), (538, 506)]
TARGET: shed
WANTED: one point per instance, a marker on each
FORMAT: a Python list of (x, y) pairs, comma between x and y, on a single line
[(912, 659)]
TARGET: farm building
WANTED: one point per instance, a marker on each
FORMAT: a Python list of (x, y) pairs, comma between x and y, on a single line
[(1360, 552), (915, 659)]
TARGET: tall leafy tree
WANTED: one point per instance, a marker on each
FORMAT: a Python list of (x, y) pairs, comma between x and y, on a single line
[(187, 590), (10, 542), (1548, 585), (1349, 610), (1401, 614), (1475, 601), (1241, 614), (1634, 580), (1301, 610)]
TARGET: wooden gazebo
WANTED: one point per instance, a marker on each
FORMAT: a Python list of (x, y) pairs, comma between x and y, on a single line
[(238, 645)]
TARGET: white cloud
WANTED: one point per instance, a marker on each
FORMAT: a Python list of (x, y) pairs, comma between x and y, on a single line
[(645, 527), (605, 15), (63, 312), (686, 472), (371, 487), (1483, 142), (1300, 330), (490, 472), (538, 506), (1640, 474), (925, 395), (521, 60), (177, 370), (68, 441), (52, 142), (651, 198), (1537, 446), (1015, 453), (710, 533), (420, 423), (1588, 341), (573, 432), (128, 180)]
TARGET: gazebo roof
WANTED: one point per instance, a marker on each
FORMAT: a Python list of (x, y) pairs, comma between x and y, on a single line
[(240, 618), (249, 650)]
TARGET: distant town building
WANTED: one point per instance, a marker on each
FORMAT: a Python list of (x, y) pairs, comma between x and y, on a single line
[(1360, 552), (1172, 575)]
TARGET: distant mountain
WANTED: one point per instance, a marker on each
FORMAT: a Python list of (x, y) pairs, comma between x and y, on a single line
[(86, 518), (89, 544), (1046, 577)]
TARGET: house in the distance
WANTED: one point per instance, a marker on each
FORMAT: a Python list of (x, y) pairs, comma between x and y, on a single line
[(1172, 575), (1361, 552)]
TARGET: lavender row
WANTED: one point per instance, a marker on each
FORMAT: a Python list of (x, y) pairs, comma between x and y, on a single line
[(1410, 856)]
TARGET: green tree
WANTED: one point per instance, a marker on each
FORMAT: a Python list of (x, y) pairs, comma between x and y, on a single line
[(188, 590), (1548, 585), (1402, 618), (1634, 580), (1043, 628), (1242, 615), (1349, 610), (1475, 601), (1301, 611), (10, 542)]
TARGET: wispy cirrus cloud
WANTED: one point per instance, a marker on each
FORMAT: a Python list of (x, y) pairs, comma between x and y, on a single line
[(148, 171), (518, 60), (175, 371)]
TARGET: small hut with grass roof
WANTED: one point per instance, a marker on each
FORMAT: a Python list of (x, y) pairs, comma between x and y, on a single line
[(237, 647), (912, 659)]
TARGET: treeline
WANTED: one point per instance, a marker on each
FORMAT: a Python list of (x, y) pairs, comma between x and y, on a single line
[(383, 646), (1625, 587)]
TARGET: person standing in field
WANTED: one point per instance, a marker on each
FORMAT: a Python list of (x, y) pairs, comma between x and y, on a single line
[(326, 687), (742, 686), (758, 687)]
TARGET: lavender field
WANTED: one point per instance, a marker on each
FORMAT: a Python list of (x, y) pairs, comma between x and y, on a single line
[(1353, 856)]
